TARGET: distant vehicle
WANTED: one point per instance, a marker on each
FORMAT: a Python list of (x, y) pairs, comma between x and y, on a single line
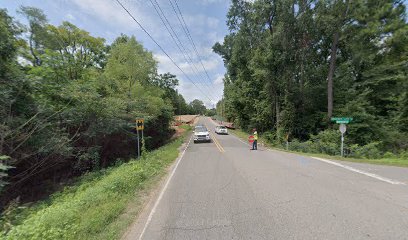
[(221, 130), (201, 134)]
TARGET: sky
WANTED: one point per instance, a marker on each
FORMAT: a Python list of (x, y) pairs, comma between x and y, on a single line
[(205, 20)]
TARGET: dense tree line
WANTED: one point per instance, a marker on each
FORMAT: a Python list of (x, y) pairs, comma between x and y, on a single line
[(68, 103), (293, 64)]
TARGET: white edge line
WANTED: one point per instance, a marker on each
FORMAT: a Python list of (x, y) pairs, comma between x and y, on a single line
[(149, 219), (239, 139), (387, 180)]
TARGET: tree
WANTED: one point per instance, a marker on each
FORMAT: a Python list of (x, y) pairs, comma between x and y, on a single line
[(129, 63), (211, 112), (72, 50), (37, 32), (289, 62), (198, 107), (8, 88), (165, 81), (168, 82), (67, 113), (344, 7)]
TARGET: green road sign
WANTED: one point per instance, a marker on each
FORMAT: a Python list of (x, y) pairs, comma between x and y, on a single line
[(342, 119)]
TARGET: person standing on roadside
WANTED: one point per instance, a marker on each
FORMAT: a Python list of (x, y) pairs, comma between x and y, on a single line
[(255, 143)]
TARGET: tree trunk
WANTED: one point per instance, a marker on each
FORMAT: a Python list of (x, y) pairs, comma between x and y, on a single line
[(304, 43), (333, 56), (36, 61), (277, 111), (332, 67)]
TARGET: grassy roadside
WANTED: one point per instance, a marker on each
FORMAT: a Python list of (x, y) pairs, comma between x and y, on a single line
[(101, 205), (399, 162)]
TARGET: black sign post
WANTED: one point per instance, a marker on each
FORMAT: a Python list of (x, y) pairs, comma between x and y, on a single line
[(139, 126)]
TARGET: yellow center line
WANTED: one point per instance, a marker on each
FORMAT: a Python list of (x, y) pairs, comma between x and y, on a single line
[(218, 144), (220, 148)]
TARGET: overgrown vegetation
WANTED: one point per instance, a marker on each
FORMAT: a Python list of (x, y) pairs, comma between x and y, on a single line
[(327, 144), (293, 64), (68, 102), (91, 208)]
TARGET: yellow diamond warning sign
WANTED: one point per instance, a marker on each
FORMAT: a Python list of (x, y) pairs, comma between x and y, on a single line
[(140, 124)]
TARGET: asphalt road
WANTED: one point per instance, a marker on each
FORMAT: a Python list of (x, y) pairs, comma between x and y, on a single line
[(222, 190)]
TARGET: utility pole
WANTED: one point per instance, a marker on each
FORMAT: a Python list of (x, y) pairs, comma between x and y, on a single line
[(222, 108)]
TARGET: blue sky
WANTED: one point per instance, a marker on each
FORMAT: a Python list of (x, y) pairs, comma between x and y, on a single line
[(205, 20)]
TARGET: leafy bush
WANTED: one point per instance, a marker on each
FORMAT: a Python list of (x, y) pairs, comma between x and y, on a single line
[(327, 142), (389, 155), (298, 146), (269, 136), (370, 150), (85, 210), (404, 155)]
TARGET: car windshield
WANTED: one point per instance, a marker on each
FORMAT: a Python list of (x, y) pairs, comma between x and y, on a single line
[(201, 129), (222, 127)]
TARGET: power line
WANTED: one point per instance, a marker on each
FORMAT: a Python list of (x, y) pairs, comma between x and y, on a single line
[(161, 48), (186, 51), (187, 32), (178, 42)]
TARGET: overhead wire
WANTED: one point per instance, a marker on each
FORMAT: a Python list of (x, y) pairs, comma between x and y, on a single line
[(178, 43), (162, 49), (187, 32)]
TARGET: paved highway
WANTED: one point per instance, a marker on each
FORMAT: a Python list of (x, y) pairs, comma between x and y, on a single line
[(222, 190)]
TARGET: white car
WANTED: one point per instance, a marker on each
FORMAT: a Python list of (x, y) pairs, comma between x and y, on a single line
[(201, 134), (221, 130)]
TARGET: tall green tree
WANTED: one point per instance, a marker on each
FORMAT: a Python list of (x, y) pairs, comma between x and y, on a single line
[(198, 107), (168, 82), (73, 109), (292, 63), (72, 50), (37, 32)]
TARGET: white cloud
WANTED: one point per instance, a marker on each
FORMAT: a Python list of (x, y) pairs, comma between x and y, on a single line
[(111, 12), (200, 20), (219, 79), (191, 92), (165, 64), (70, 17), (204, 30), (208, 2)]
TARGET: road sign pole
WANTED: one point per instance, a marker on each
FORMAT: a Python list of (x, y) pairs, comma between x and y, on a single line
[(342, 144), (142, 140), (139, 126), (342, 129), (138, 144)]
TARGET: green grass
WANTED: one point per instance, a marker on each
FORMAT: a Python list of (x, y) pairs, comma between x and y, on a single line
[(399, 162), (219, 118), (101, 205), (239, 133), (186, 127)]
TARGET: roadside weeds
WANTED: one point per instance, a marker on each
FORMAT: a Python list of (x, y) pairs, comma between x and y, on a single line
[(398, 162), (101, 205)]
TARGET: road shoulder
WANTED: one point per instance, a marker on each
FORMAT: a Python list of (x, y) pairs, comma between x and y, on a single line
[(396, 175), (152, 196)]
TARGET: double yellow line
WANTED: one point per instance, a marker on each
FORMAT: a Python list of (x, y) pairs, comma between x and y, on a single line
[(220, 148)]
